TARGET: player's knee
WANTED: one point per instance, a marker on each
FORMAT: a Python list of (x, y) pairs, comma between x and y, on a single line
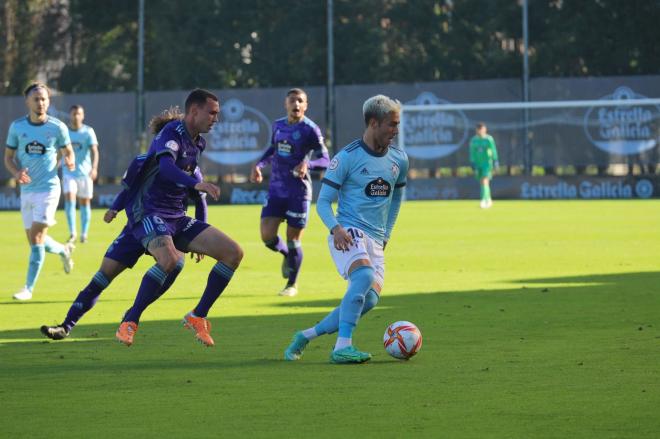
[(169, 263), (364, 276), (270, 243), (233, 256)]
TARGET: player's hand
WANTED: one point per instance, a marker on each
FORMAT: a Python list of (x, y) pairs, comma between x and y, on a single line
[(300, 171), (93, 174), (109, 215), (22, 176), (255, 175), (342, 240), (209, 188), (69, 163), (197, 257)]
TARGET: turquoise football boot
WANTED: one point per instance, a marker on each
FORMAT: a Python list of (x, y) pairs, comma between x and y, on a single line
[(349, 355), (296, 348)]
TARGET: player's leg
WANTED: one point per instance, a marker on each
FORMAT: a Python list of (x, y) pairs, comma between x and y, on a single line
[(208, 240), (156, 234), (272, 214), (70, 190), (296, 217), (86, 298), (35, 235), (85, 195)]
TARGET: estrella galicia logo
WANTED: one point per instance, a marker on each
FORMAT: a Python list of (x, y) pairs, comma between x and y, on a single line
[(240, 136), (623, 130), (77, 146), (644, 189), (35, 147), (431, 134), (378, 188), (284, 149)]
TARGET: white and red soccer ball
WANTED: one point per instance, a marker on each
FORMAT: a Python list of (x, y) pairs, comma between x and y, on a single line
[(402, 340)]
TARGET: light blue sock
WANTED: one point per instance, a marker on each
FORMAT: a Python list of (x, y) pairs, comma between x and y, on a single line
[(85, 218), (52, 246), (37, 256), (330, 324), (353, 302), (70, 212)]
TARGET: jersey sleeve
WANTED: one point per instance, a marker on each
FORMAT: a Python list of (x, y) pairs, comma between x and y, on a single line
[(494, 149), (92, 137), (338, 170), (167, 142), (319, 157), (63, 138), (402, 179), (12, 137), (473, 159)]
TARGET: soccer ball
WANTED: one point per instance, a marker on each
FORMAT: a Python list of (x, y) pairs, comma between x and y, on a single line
[(402, 340)]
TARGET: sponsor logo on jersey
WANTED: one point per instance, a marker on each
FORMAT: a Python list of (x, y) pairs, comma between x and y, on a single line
[(76, 145), (333, 164), (364, 171), (172, 145), (35, 147), (284, 149), (378, 188)]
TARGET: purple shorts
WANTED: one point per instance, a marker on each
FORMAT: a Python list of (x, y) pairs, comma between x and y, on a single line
[(125, 249), (182, 230), (294, 210)]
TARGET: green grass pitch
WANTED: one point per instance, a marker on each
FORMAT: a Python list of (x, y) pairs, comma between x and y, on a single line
[(540, 320)]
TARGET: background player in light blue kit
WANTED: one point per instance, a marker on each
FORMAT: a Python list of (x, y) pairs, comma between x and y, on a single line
[(79, 183), (296, 147), (368, 177), (33, 144)]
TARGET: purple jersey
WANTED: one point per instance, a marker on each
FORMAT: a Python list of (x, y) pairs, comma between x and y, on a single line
[(290, 145), (157, 194)]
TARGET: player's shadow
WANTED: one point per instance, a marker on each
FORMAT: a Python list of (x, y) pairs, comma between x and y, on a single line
[(259, 340)]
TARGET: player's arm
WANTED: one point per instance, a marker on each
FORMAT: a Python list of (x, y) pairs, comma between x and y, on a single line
[(168, 169), (68, 157), (318, 156), (94, 151), (263, 161), (21, 175), (118, 205), (395, 205), (494, 150), (337, 173)]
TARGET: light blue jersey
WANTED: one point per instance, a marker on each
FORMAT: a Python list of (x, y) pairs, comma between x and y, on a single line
[(36, 148), (81, 141), (366, 182)]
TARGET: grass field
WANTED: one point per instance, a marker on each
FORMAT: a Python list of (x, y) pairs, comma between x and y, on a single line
[(540, 320)]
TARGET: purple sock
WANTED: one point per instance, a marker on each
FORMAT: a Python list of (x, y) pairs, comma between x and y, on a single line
[(86, 300), (152, 282), (219, 277), (277, 245), (169, 280), (294, 260)]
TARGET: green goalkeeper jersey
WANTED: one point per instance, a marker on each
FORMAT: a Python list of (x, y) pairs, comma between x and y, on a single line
[(483, 151)]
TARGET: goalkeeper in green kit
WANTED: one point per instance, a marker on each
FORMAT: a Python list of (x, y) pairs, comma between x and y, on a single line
[(483, 158)]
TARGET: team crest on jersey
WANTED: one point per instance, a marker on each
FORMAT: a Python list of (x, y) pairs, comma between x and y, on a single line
[(172, 145), (333, 164), (395, 170), (35, 147), (296, 135), (378, 188)]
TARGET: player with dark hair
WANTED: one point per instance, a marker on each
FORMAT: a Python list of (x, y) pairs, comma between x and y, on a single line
[(296, 147), (483, 157), (79, 183), (125, 250), (33, 145), (368, 177), (156, 212)]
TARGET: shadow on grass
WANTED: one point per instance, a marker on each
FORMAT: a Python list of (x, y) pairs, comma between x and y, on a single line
[(621, 301)]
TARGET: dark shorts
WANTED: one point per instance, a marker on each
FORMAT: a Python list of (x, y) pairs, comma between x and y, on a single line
[(294, 210), (125, 249), (182, 230)]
